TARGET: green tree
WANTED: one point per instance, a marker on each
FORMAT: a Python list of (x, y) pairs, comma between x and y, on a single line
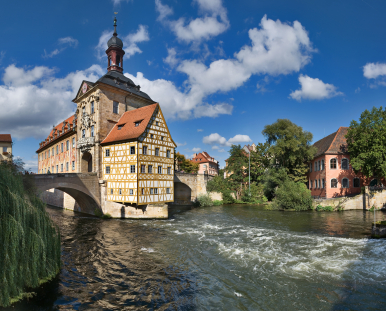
[(185, 164), (219, 184), (292, 195), (290, 148), (260, 162), (237, 168), (366, 141), (273, 178)]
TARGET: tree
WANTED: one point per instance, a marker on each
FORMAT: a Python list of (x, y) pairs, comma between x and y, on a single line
[(292, 195), (186, 165), (260, 161), (366, 142), (290, 148), (237, 168), (219, 184)]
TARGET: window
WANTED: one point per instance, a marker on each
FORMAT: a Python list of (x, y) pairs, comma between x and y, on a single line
[(345, 183), (316, 165), (316, 184), (131, 192), (67, 146), (169, 170), (310, 167), (144, 150), (73, 165), (48, 153), (83, 110), (323, 185), (73, 142), (53, 151), (137, 123), (155, 190), (323, 166), (92, 107), (151, 190), (333, 164), (83, 133), (115, 107), (61, 147), (118, 60), (132, 168), (168, 153), (107, 152), (67, 166), (143, 191), (111, 191), (143, 168), (132, 150), (120, 126), (162, 138), (310, 184), (107, 169), (357, 183), (157, 152), (334, 183), (345, 164), (156, 123), (120, 191), (150, 169), (151, 136), (52, 169), (319, 183), (160, 169), (168, 190), (57, 149), (92, 131), (61, 167)]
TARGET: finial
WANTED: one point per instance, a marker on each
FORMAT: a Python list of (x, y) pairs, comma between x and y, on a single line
[(115, 25)]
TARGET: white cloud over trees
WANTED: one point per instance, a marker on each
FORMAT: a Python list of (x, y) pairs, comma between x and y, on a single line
[(217, 139), (314, 89)]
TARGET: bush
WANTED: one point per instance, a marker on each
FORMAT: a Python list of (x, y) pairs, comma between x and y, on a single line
[(217, 203), (98, 213), (321, 208), (203, 200), (107, 216), (292, 195), (257, 194)]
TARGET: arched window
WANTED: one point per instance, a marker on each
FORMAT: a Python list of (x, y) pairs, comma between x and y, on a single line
[(357, 182), (344, 164), (118, 58), (345, 183), (333, 164), (334, 183)]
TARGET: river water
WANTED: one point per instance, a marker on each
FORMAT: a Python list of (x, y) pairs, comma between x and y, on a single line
[(218, 258)]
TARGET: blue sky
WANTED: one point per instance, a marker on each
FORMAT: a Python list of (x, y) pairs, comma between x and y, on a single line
[(221, 70)]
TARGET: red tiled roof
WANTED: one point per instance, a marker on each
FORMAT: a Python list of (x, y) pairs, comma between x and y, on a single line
[(334, 143), (59, 127), (128, 119), (5, 138), (203, 155)]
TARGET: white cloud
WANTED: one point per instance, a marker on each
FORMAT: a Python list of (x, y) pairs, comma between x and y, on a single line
[(374, 70), (171, 59), (27, 97), (118, 2), (314, 89), (181, 144), (200, 130), (2, 55), (215, 147), (221, 150), (129, 42), (64, 43), (216, 138), (213, 22), (196, 149)]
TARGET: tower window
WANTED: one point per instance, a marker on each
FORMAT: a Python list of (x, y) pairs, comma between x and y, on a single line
[(83, 133), (118, 60), (92, 131), (83, 110), (92, 107), (115, 107)]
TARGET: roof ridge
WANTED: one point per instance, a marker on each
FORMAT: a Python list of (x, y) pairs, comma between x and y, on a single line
[(336, 135)]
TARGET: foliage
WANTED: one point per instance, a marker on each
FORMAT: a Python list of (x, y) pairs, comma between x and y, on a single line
[(237, 165), (186, 165), (204, 200), (219, 184), (217, 203), (273, 177), (107, 216), (98, 212), (321, 208), (366, 141), (256, 196), (260, 161), (292, 195), (29, 241), (290, 147)]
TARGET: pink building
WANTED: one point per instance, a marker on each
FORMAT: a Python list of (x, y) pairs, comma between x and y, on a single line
[(330, 173), (207, 164)]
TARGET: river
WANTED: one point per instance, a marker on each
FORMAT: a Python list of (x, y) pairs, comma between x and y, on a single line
[(218, 258)]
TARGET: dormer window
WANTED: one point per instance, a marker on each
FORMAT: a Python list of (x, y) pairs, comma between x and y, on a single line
[(120, 126), (137, 123)]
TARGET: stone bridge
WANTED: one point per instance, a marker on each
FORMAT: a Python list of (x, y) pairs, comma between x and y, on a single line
[(86, 194)]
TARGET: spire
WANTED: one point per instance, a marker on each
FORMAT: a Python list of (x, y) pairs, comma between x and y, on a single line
[(115, 27)]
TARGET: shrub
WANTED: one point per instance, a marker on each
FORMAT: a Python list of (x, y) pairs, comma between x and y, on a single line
[(217, 202), (321, 208), (98, 213), (292, 195), (257, 194), (107, 216), (203, 200)]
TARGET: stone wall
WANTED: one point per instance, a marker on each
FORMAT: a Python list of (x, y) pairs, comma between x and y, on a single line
[(60, 199), (361, 201)]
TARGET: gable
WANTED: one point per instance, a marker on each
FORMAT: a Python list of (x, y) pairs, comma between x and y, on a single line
[(85, 85)]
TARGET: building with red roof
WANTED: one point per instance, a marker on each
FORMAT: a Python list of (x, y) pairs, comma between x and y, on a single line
[(207, 164), (5, 147)]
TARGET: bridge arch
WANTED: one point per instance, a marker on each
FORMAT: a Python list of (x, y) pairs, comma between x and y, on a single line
[(83, 188)]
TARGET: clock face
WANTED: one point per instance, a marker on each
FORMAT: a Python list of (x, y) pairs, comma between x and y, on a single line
[(84, 88)]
